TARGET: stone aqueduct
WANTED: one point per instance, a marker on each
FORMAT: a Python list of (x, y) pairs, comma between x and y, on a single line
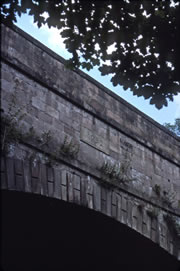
[(102, 153)]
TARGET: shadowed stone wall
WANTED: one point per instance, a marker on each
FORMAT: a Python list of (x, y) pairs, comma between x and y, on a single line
[(104, 153)]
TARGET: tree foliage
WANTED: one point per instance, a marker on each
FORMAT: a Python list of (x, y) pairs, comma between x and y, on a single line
[(136, 42), (175, 128)]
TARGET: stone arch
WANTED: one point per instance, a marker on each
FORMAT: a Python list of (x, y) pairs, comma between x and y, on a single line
[(68, 185), (101, 128)]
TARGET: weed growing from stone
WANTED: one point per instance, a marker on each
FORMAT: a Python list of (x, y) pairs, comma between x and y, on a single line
[(157, 190), (69, 148)]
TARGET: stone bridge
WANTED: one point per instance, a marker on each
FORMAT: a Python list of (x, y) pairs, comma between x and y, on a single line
[(65, 136)]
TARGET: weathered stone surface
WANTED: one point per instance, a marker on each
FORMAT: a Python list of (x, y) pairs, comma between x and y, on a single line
[(97, 196), (64, 185), (27, 176), (43, 178), (103, 200), (114, 204), (19, 178), (108, 131), (57, 184), (89, 192), (116, 110), (94, 140), (70, 187)]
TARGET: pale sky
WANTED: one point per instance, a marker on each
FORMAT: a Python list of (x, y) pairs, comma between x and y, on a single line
[(52, 39)]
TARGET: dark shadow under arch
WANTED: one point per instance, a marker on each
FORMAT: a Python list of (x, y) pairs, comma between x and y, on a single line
[(40, 233)]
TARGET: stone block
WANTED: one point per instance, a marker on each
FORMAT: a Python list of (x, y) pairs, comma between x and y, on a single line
[(50, 189), (94, 140), (27, 176), (77, 196), (89, 186), (64, 177), (89, 199), (57, 184), (36, 185), (50, 176), (109, 202), (45, 117), (114, 205), (10, 174), (103, 200), (51, 112), (139, 225), (154, 235), (18, 167), (43, 180), (103, 193), (96, 196), (35, 170), (146, 225), (40, 105), (64, 192), (163, 242), (70, 187), (76, 182), (83, 192), (89, 192), (114, 198), (124, 203)]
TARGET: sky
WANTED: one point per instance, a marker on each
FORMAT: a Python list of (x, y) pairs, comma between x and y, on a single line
[(52, 39)]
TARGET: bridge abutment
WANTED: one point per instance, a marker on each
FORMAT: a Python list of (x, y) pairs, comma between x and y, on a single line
[(65, 136)]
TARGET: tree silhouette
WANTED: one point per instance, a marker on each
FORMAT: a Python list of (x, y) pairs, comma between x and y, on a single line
[(175, 128), (136, 42)]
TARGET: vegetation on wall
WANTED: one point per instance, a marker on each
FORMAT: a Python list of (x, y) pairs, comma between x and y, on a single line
[(166, 197), (153, 213), (13, 132), (157, 190), (11, 125), (69, 148), (115, 173)]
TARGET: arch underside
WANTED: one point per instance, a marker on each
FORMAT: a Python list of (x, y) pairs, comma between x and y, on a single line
[(45, 233)]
